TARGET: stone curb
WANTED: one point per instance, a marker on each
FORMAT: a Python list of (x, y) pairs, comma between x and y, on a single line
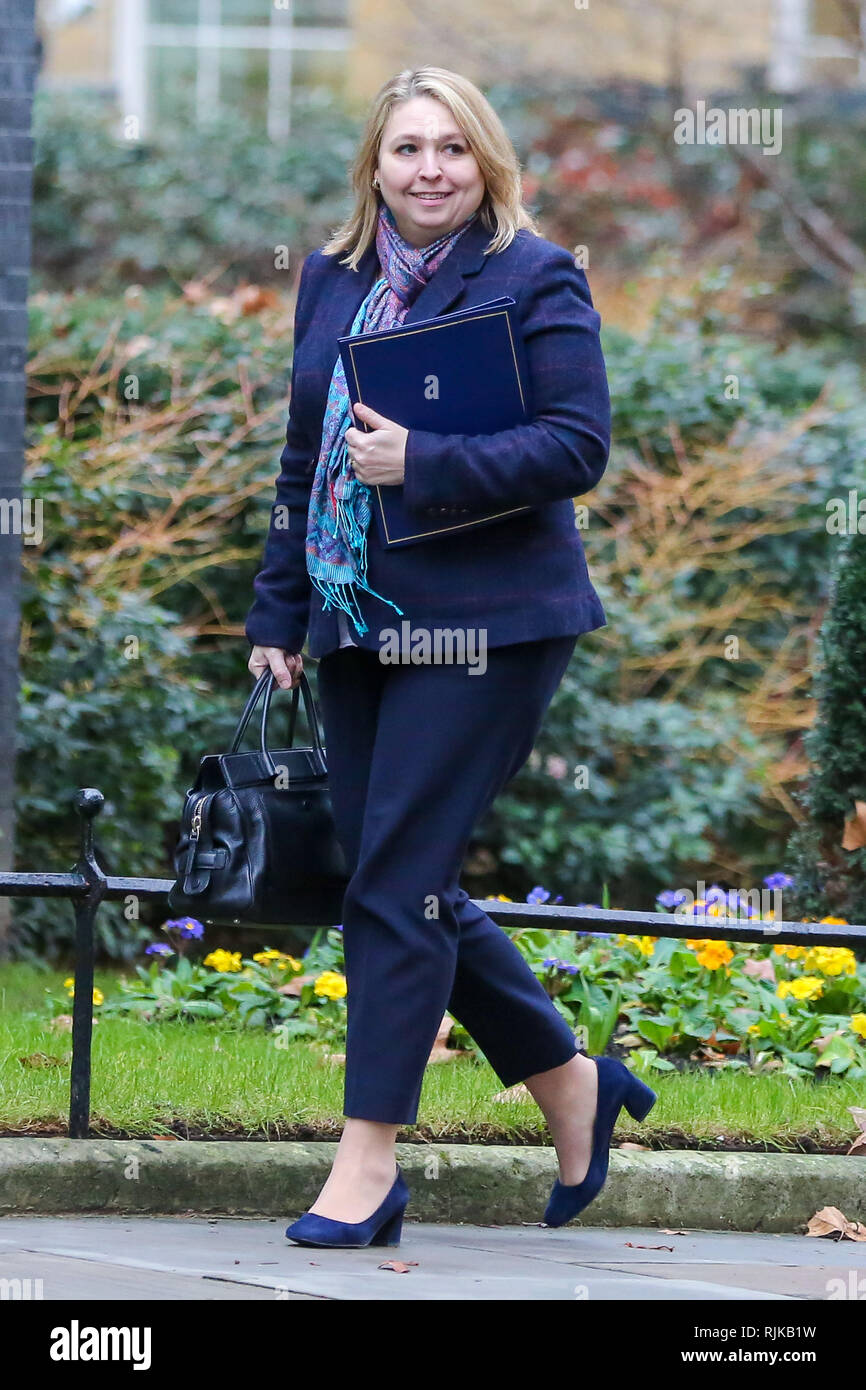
[(450, 1183)]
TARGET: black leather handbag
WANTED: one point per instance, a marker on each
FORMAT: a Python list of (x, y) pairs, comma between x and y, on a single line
[(258, 842)]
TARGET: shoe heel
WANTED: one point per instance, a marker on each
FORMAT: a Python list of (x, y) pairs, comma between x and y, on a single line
[(389, 1234), (639, 1099)]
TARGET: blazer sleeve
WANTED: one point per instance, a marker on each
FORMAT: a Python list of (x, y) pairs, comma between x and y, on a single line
[(279, 615), (564, 450)]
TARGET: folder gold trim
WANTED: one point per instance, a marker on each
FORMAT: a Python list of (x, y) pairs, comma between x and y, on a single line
[(429, 328)]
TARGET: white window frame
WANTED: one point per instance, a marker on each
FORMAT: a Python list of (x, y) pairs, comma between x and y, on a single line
[(135, 35), (793, 46)]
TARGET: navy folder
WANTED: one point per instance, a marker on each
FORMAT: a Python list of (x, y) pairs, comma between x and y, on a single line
[(460, 373)]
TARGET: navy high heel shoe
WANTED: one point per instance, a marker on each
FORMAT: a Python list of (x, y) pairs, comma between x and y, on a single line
[(617, 1087), (382, 1228)]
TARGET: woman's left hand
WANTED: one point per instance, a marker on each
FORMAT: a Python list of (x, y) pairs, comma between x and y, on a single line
[(377, 455)]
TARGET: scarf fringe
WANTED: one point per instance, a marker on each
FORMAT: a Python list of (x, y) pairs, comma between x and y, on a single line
[(331, 591)]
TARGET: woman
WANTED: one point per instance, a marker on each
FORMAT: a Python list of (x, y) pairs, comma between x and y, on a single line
[(417, 752)]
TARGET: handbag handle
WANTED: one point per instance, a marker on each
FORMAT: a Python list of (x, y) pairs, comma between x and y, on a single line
[(251, 703), (312, 713), (266, 683)]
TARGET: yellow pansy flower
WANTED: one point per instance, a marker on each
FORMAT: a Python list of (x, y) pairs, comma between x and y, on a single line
[(98, 996), (645, 944), (331, 985), (858, 1024), (831, 960), (710, 953), (714, 954), (792, 952), (223, 960), (807, 987)]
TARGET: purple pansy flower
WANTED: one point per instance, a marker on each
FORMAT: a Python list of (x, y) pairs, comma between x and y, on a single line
[(779, 881), (537, 895), (186, 926), (671, 896)]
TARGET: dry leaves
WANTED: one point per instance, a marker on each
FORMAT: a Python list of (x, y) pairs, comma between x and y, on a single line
[(295, 985), (760, 969), (440, 1052), (855, 828), (829, 1221), (632, 1246), (860, 1119), (518, 1092), (45, 1059)]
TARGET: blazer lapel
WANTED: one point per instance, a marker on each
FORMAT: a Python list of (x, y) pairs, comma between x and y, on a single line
[(466, 258), (335, 315)]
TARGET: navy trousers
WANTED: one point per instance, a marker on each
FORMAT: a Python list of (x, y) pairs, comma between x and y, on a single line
[(416, 753)]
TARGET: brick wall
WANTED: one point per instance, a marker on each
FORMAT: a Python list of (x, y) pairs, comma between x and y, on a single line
[(19, 57)]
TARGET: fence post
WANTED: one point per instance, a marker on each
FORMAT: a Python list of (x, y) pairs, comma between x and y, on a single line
[(88, 804)]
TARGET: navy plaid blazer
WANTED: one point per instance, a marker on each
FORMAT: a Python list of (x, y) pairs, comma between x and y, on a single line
[(518, 579)]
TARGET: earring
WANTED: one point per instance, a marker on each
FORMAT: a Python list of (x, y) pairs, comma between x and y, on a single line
[(375, 183)]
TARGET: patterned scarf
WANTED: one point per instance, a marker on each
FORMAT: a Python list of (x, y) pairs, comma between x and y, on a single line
[(339, 512)]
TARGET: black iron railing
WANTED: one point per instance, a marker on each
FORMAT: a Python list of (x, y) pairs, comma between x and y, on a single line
[(88, 886)]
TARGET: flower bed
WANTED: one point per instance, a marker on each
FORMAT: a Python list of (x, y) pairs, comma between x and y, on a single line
[(665, 1002)]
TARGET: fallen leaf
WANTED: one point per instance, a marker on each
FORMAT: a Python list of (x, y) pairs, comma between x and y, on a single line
[(860, 1119), (632, 1246), (444, 1028), (296, 985), (440, 1053), (518, 1092), (44, 1059), (398, 1266), (821, 1043), (760, 969), (829, 1221), (855, 828), (645, 1148)]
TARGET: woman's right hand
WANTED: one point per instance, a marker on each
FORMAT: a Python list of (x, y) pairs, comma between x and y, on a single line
[(287, 667)]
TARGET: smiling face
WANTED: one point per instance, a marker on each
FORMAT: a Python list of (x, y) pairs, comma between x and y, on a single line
[(428, 175)]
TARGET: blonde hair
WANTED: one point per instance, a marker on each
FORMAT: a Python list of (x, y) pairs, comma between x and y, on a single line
[(501, 210)]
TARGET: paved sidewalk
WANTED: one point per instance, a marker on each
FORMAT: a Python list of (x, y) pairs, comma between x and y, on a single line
[(196, 1257)]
